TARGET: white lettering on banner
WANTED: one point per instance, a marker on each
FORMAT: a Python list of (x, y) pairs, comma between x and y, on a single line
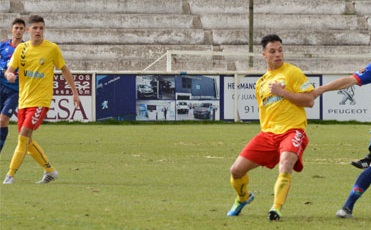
[(83, 88), (245, 96), (81, 77), (112, 80), (347, 111), (244, 85), (83, 83), (63, 109)]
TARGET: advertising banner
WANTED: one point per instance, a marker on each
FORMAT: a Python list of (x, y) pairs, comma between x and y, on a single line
[(177, 97), (247, 107), (246, 99), (171, 97), (347, 104), (115, 97), (62, 107)]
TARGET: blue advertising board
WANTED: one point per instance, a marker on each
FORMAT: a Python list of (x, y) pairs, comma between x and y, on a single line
[(115, 97)]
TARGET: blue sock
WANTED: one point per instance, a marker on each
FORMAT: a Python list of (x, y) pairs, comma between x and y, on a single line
[(362, 183), (3, 135)]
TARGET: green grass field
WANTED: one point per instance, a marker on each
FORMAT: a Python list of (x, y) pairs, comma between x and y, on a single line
[(176, 176)]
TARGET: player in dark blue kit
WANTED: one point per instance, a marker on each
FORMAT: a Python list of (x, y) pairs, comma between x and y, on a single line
[(362, 77), (9, 91), (365, 162)]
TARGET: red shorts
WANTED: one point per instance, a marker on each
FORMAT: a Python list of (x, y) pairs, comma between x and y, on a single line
[(265, 148), (31, 117)]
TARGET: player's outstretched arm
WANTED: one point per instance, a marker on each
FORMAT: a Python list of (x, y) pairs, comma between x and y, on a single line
[(69, 78), (338, 84)]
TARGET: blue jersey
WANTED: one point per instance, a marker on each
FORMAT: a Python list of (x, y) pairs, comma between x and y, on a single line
[(364, 76), (6, 52)]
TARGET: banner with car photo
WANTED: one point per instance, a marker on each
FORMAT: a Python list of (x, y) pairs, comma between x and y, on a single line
[(152, 97), (177, 97)]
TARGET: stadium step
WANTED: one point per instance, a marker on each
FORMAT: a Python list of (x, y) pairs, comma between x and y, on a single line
[(118, 21), (107, 6), (286, 7), (4, 6)]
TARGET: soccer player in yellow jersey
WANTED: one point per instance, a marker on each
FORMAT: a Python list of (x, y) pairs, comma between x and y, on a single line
[(282, 93), (35, 61)]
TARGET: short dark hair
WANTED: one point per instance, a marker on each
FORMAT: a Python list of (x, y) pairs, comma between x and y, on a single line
[(270, 38), (35, 19), (18, 21)]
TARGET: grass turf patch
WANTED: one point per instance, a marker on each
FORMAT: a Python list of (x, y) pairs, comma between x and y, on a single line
[(128, 176)]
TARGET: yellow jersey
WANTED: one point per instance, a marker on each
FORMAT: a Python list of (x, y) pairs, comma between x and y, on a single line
[(277, 114), (36, 72)]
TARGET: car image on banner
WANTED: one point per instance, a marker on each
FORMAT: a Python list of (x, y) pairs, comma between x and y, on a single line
[(182, 107)]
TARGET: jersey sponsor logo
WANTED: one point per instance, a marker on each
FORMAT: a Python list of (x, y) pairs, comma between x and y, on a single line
[(272, 99), (36, 116), (32, 74), (306, 85)]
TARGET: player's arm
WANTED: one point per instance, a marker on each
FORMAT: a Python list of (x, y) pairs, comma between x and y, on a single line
[(338, 84), (303, 99), (69, 78), (10, 74)]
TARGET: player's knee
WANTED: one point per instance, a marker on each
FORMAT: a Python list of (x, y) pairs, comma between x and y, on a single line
[(288, 159), (237, 172), (4, 120)]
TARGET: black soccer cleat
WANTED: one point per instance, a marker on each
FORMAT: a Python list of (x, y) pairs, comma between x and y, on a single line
[(274, 215), (363, 163)]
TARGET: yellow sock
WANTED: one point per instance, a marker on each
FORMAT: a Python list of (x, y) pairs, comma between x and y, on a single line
[(37, 153), (240, 186), (18, 155), (281, 189)]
